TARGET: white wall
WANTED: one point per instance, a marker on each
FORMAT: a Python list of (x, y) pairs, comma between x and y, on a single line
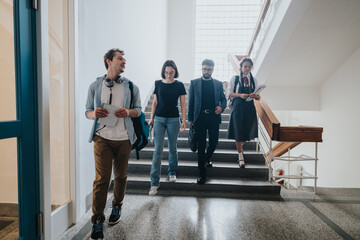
[(340, 113), (295, 98), (180, 39), (338, 164), (139, 28)]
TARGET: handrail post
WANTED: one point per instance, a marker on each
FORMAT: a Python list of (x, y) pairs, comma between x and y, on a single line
[(316, 159), (271, 160)]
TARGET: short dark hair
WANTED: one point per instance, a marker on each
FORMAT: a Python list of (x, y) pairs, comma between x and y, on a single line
[(208, 62), (110, 55), (169, 63), (246, 60)]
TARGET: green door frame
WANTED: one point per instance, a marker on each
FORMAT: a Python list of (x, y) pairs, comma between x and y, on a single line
[(25, 128)]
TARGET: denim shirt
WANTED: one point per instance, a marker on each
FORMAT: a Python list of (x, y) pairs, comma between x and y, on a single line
[(94, 101)]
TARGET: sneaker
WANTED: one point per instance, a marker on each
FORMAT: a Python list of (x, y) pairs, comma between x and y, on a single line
[(115, 215), (153, 190), (241, 163), (172, 178), (97, 229)]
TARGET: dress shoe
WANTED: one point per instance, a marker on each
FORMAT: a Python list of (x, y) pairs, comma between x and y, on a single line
[(209, 164), (201, 180)]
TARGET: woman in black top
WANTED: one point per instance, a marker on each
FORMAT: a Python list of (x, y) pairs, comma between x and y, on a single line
[(165, 117), (243, 125)]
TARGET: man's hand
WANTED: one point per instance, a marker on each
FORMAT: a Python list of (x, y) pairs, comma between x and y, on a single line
[(218, 110), (191, 123), (122, 113), (100, 113)]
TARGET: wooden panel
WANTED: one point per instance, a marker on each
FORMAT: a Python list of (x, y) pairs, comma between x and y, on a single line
[(300, 134), (282, 148), (268, 118)]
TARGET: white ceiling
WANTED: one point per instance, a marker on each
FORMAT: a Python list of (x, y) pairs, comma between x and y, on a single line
[(325, 37)]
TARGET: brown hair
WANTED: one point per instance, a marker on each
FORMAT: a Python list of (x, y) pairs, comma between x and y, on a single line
[(110, 55), (169, 63)]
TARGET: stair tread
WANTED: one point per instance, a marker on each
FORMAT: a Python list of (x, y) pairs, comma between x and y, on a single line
[(210, 181), (220, 140), (195, 164), (222, 151)]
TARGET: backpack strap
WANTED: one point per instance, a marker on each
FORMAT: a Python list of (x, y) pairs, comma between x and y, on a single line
[(131, 87), (236, 83), (252, 82)]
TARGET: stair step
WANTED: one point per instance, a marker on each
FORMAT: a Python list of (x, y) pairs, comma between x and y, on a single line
[(224, 116), (220, 155), (148, 109), (223, 143), (222, 133), (190, 169), (213, 186)]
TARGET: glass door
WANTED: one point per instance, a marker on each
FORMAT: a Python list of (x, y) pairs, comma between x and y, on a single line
[(19, 161)]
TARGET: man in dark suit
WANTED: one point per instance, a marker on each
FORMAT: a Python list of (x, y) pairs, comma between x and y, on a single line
[(206, 103)]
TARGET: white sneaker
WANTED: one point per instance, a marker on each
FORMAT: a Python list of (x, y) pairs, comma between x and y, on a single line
[(153, 190), (172, 178)]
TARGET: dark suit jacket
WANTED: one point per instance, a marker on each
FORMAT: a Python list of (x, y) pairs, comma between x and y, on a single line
[(194, 106)]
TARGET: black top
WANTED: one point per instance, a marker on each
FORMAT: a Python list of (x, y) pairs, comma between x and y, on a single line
[(207, 94), (167, 96)]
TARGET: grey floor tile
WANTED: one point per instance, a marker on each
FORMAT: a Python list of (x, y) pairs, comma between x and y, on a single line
[(346, 216), (203, 218)]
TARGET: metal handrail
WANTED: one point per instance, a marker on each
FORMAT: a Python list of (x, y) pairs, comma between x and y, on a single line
[(258, 26)]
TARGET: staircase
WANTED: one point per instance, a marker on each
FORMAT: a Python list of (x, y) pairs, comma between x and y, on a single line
[(224, 179)]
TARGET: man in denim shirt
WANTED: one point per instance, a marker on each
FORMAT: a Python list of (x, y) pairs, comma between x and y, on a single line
[(112, 144)]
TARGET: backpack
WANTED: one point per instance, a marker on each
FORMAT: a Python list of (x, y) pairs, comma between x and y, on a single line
[(141, 127)]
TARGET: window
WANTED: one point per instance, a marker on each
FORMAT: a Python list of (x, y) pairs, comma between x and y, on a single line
[(223, 27)]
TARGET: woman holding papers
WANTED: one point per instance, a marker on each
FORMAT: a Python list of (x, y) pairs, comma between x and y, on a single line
[(165, 117), (243, 124)]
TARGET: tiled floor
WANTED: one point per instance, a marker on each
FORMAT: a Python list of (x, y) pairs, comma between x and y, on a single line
[(9, 228), (298, 215)]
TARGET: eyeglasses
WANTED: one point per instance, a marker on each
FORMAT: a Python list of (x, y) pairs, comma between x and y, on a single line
[(208, 69)]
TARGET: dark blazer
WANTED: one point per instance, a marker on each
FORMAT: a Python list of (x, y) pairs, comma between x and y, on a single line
[(194, 106)]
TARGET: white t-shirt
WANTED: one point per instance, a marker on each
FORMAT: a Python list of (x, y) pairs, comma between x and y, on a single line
[(118, 132)]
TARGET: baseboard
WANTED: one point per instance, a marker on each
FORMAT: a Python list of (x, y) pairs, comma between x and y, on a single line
[(9, 210)]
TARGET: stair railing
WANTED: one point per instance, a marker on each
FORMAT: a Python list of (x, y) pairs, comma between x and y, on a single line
[(287, 137)]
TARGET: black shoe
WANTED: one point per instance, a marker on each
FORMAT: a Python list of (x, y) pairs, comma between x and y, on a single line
[(201, 180), (115, 215), (209, 164), (97, 229)]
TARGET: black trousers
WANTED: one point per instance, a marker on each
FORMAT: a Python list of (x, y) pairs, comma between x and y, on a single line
[(206, 124)]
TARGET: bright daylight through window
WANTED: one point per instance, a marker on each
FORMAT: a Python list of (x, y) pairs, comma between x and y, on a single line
[(223, 27)]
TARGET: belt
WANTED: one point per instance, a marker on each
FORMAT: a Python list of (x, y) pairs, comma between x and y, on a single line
[(208, 111)]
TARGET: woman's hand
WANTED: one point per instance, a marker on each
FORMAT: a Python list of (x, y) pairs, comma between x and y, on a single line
[(243, 95), (151, 122), (183, 126), (254, 96)]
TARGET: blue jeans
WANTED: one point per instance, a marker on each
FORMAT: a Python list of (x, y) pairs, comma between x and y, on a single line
[(161, 124)]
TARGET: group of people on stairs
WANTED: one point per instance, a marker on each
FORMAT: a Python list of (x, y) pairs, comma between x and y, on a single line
[(206, 102)]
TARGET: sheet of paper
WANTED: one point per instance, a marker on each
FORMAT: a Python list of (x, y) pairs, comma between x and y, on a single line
[(257, 91), (111, 119)]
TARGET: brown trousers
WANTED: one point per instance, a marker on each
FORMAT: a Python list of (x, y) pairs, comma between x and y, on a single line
[(106, 152)]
